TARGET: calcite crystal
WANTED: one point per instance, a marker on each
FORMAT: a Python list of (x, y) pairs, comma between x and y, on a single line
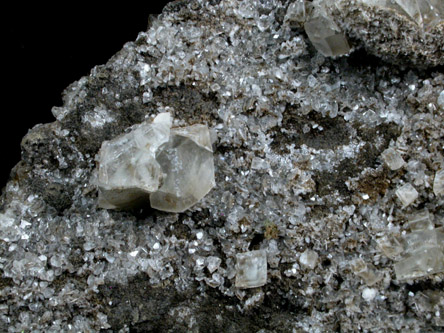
[(173, 167), (407, 194), (426, 13), (251, 269)]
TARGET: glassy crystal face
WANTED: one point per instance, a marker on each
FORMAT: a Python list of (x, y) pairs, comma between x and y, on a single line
[(407, 194), (326, 37), (128, 169), (366, 272), (393, 159), (251, 269), (296, 11), (172, 167)]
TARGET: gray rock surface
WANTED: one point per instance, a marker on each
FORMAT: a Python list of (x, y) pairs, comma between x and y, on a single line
[(300, 174)]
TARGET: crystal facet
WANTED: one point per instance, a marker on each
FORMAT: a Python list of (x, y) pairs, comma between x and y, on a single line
[(309, 259)]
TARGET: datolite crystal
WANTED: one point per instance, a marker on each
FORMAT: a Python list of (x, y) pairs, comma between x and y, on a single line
[(172, 167)]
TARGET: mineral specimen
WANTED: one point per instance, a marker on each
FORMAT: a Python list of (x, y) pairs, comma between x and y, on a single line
[(173, 166), (298, 140), (251, 269)]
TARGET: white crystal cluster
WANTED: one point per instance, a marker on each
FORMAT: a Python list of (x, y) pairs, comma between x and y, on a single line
[(174, 167)]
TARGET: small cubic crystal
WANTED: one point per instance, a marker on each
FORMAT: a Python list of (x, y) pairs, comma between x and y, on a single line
[(393, 159), (309, 259), (251, 269), (438, 183), (407, 194)]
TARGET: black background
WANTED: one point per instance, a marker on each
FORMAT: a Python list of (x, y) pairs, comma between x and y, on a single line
[(49, 47)]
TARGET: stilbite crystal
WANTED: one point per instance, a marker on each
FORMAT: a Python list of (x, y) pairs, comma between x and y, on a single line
[(174, 167)]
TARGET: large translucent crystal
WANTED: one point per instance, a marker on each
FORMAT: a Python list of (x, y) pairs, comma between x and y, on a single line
[(420, 221), (172, 167), (127, 167), (424, 12), (251, 269), (326, 36)]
